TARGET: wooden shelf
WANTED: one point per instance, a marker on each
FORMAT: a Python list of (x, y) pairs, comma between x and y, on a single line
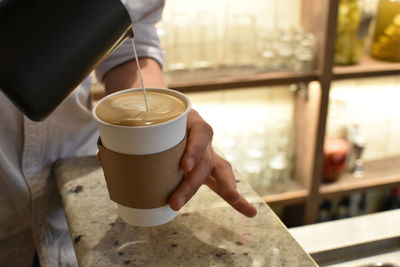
[(205, 83), (368, 67), (220, 82), (289, 194), (378, 174)]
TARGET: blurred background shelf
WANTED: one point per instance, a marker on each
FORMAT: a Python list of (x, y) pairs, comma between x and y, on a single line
[(293, 193), (237, 80), (203, 82), (367, 67), (378, 174)]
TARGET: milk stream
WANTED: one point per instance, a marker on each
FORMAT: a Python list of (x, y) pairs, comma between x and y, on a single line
[(140, 75)]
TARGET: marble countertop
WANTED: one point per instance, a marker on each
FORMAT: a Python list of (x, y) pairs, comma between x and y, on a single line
[(207, 232)]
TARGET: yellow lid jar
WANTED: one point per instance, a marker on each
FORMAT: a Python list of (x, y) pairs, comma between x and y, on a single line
[(386, 39), (351, 32)]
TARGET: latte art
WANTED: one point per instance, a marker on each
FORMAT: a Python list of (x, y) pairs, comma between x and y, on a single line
[(129, 109)]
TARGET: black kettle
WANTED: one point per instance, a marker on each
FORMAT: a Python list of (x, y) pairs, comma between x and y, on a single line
[(48, 47)]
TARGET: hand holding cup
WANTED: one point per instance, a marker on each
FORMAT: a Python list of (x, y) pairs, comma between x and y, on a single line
[(201, 164)]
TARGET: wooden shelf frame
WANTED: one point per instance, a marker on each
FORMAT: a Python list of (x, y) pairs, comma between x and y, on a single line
[(367, 67), (250, 80), (230, 82), (381, 173), (378, 174), (311, 110), (290, 197), (347, 186)]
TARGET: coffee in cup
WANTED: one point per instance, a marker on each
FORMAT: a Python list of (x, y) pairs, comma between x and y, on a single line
[(129, 109)]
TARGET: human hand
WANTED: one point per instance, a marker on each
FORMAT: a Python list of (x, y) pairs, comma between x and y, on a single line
[(202, 165)]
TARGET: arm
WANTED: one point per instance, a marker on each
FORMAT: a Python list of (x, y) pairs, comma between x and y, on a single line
[(126, 75), (201, 164)]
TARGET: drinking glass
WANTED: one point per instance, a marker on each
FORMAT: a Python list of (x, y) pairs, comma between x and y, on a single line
[(242, 41), (205, 37), (180, 54)]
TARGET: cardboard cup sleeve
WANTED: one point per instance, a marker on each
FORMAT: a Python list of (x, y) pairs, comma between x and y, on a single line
[(142, 181)]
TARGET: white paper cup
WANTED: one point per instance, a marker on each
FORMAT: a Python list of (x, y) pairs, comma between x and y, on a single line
[(143, 140)]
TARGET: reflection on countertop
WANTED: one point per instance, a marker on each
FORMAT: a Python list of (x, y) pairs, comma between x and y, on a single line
[(208, 232)]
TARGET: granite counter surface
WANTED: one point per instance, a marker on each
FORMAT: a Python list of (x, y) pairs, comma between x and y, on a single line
[(207, 232)]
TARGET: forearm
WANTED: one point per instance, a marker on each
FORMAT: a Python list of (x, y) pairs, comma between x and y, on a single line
[(126, 75)]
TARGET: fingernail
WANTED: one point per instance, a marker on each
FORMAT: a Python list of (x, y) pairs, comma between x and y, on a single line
[(190, 164), (179, 203)]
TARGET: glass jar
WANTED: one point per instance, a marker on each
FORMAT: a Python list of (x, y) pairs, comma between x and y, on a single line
[(351, 32), (386, 40)]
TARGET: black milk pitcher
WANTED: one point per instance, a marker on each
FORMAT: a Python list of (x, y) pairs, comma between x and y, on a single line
[(48, 47)]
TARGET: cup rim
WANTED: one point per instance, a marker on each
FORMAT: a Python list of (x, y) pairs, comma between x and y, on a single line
[(173, 92)]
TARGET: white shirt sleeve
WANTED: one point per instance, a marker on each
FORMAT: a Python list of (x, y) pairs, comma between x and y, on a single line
[(144, 14)]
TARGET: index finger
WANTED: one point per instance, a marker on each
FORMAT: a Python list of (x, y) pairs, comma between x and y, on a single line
[(232, 197), (199, 137), (223, 183)]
